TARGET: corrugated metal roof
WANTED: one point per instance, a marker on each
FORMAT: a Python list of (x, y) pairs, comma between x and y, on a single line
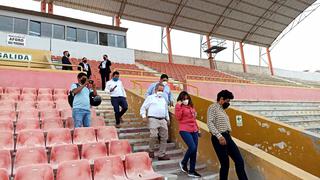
[(257, 22)]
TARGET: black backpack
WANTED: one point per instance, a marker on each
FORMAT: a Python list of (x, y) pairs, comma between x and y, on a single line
[(71, 96)]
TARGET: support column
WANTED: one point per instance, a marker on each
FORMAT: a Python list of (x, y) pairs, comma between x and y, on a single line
[(210, 57), (43, 7), (50, 8), (270, 62), (117, 21), (169, 44), (243, 60)]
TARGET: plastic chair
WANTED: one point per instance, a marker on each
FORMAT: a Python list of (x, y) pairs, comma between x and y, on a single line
[(62, 153), (111, 167), (34, 172), (91, 151), (139, 166), (106, 133), (58, 136), (29, 156), (30, 138), (6, 140), (5, 160), (119, 147), (84, 135), (79, 169)]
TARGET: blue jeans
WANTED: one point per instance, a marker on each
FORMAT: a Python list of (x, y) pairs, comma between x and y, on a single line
[(81, 117), (191, 139)]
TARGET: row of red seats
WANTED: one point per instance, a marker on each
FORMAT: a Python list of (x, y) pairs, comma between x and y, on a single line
[(33, 97), (36, 91), (135, 166), (30, 105), (37, 137)]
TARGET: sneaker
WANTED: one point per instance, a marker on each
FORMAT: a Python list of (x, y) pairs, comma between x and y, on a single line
[(194, 174), (183, 167), (151, 155), (164, 158)]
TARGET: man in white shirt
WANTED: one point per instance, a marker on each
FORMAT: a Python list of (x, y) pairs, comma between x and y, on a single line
[(158, 117), (118, 97)]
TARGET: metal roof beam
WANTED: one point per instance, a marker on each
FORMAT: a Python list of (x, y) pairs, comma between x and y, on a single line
[(122, 7), (177, 12)]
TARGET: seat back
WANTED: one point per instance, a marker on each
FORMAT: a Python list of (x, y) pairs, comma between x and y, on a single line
[(30, 138), (62, 153), (119, 147), (5, 160), (6, 140), (138, 164), (106, 133), (29, 156), (35, 172), (4, 175), (111, 166), (79, 169), (28, 124), (58, 136), (93, 150), (84, 135)]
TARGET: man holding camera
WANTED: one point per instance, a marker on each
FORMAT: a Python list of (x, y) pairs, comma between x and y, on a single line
[(81, 102)]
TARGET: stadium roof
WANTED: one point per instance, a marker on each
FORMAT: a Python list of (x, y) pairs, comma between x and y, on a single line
[(257, 22)]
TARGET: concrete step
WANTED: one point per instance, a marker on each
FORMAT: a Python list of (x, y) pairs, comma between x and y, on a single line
[(288, 113), (127, 124), (278, 108), (294, 117), (132, 130), (135, 135), (277, 104), (172, 166), (206, 175), (145, 148), (128, 120)]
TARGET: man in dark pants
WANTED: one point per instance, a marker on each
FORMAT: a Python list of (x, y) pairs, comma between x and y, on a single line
[(104, 70), (65, 60), (85, 67), (220, 128), (118, 97)]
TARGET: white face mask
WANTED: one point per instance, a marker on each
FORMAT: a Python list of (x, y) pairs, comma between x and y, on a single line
[(159, 93), (165, 83), (185, 102)]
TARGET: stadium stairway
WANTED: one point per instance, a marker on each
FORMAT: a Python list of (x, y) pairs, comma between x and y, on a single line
[(135, 129), (305, 115)]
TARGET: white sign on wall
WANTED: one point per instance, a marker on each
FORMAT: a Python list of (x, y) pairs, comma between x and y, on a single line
[(16, 39), (15, 56)]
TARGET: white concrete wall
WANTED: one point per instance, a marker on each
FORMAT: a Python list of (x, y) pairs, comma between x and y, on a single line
[(77, 49), (308, 76)]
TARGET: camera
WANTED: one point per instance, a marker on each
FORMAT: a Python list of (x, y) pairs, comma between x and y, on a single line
[(91, 81)]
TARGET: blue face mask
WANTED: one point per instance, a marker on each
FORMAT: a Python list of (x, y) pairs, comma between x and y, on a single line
[(115, 79)]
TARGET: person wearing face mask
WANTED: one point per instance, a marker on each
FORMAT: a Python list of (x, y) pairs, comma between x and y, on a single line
[(105, 70), (85, 66), (155, 109), (118, 97), (220, 128), (81, 103), (189, 132), (65, 60), (166, 93)]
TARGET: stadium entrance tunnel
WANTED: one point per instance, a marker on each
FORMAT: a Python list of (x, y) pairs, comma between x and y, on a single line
[(271, 150)]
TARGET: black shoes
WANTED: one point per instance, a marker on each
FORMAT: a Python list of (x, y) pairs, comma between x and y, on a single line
[(194, 174), (183, 167)]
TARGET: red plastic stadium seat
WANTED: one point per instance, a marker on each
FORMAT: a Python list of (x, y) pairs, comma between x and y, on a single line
[(30, 138), (62, 106), (35, 172), (79, 169), (60, 91), (51, 123), (106, 133), (60, 97), (58, 137), (42, 91), (8, 115), (6, 125), (91, 151), (27, 125), (84, 135), (51, 113), (28, 97), (6, 140), (28, 114), (7, 106), (139, 166), (29, 156), (119, 147), (5, 160), (13, 90), (45, 105), (26, 105), (45, 97), (62, 153), (111, 166), (4, 175), (97, 121), (66, 113), (29, 91), (8, 97)]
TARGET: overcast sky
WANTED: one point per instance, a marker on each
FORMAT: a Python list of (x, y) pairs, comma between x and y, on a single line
[(299, 50)]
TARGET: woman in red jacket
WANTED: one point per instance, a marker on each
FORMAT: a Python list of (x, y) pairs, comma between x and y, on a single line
[(188, 130)]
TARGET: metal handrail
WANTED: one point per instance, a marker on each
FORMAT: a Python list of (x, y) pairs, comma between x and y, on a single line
[(138, 82), (42, 63)]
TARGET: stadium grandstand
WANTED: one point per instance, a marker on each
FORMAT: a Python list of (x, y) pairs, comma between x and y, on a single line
[(275, 116)]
